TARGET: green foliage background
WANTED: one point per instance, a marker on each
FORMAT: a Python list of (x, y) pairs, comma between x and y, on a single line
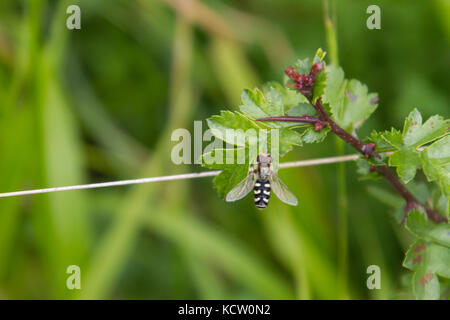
[(101, 103)]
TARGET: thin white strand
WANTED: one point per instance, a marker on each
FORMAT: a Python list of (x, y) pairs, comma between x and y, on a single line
[(302, 163), (315, 162)]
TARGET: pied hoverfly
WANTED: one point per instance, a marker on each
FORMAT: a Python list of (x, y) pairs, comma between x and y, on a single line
[(262, 179)]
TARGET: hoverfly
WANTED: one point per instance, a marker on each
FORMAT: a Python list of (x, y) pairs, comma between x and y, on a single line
[(262, 179)]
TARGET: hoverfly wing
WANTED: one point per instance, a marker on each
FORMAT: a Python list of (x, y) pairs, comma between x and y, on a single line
[(241, 189), (282, 191)]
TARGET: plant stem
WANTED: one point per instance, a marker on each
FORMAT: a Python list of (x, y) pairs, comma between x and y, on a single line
[(342, 212), (342, 201), (368, 150), (411, 201), (330, 23)]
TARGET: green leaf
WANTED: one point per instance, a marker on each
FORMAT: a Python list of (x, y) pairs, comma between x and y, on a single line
[(303, 66), (429, 256), (221, 158), (312, 136), (414, 135), (419, 225), (440, 201), (421, 191), (234, 128), (255, 102), (335, 89), (290, 97), (436, 163), (358, 104), (319, 56), (301, 110), (428, 260), (229, 178), (252, 101), (239, 130), (394, 138), (289, 138), (407, 161), (349, 100), (363, 169), (273, 101), (426, 285), (232, 171), (381, 145), (319, 84)]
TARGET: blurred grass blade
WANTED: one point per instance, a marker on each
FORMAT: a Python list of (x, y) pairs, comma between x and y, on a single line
[(62, 161), (233, 71), (238, 261), (123, 150), (14, 164), (116, 244), (342, 200)]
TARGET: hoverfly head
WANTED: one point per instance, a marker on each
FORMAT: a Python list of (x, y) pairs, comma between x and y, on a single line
[(264, 158)]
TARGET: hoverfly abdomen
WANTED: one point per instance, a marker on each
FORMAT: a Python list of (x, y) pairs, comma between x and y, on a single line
[(261, 193)]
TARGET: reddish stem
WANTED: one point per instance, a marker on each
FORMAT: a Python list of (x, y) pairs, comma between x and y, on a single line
[(367, 150), (411, 201)]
